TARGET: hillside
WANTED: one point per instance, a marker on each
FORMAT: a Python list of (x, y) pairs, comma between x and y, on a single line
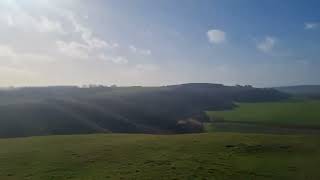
[(304, 90), (294, 113), (72, 110), (291, 116), (192, 156)]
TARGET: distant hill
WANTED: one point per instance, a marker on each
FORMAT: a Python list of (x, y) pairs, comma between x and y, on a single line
[(306, 90), (73, 110)]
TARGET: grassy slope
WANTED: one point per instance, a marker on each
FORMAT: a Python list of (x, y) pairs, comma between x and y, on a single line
[(34, 111), (193, 156), (284, 113)]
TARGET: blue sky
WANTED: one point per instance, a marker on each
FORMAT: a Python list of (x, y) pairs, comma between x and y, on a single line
[(140, 42)]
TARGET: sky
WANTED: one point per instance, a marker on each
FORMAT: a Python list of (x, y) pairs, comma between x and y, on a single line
[(152, 43)]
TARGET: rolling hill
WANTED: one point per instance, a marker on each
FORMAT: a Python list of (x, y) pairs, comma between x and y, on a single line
[(289, 113), (302, 90), (72, 110), (285, 117)]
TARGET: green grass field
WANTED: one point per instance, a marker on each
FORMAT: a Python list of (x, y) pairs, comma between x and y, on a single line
[(192, 156), (303, 113)]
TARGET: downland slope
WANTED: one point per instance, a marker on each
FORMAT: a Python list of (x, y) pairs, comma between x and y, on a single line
[(137, 156), (309, 91), (298, 116), (303, 113), (71, 110)]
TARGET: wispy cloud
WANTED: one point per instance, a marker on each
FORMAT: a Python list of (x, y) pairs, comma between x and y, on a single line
[(146, 67), (24, 21), (145, 52), (114, 59), (119, 60), (87, 45), (267, 44), (311, 25), (216, 36), (73, 49), (87, 34), (46, 25), (16, 17)]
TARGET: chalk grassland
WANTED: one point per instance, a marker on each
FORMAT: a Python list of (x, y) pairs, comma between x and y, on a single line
[(304, 113), (191, 156)]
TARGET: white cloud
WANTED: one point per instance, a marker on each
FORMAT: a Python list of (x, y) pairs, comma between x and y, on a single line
[(311, 25), (73, 49), (114, 59), (84, 43), (267, 44), (87, 35), (89, 46), (18, 18), (216, 36), (146, 67), (46, 25), (145, 52), (119, 60)]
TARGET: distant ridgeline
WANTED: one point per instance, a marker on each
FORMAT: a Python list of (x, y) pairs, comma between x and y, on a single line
[(73, 110), (312, 91)]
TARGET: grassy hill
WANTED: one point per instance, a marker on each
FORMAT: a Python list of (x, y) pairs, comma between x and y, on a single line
[(73, 110), (312, 91), (295, 116), (290, 113), (192, 156)]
